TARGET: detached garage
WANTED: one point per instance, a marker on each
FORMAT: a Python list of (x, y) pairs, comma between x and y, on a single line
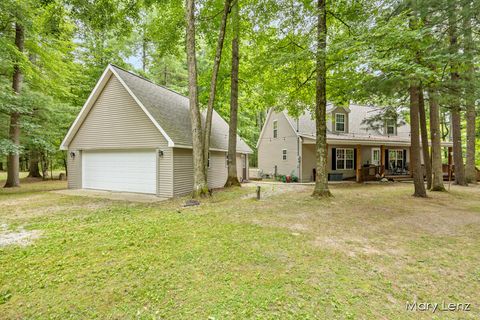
[(134, 136)]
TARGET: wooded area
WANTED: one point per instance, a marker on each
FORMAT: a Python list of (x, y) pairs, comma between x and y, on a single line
[(241, 57)]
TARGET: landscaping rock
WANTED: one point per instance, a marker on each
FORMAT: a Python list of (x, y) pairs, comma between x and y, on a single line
[(384, 180)]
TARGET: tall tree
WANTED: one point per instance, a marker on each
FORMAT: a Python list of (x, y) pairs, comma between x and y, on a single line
[(232, 179), (470, 84), (455, 98), (13, 159), (415, 163), (200, 187), (424, 134), (435, 136), (321, 179), (213, 83)]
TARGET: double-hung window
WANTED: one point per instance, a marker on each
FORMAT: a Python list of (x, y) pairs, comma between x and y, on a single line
[(345, 159), (284, 154), (340, 122), (395, 159), (391, 127), (275, 128)]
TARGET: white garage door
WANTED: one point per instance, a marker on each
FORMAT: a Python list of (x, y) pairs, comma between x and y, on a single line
[(130, 171)]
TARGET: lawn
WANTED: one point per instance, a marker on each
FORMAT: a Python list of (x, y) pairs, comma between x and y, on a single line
[(360, 255)]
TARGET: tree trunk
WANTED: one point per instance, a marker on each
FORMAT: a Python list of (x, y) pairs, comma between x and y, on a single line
[(65, 164), (13, 159), (34, 170), (423, 129), (321, 179), (435, 136), (469, 49), (200, 187), (232, 179), (44, 165), (213, 84), (455, 106), (415, 164)]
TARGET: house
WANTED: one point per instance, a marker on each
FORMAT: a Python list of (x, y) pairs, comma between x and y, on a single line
[(135, 136), (356, 150)]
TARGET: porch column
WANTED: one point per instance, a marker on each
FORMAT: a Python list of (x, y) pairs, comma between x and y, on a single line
[(358, 173), (450, 169), (382, 160)]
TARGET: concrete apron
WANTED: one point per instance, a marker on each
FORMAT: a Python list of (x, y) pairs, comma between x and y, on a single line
[(112, 195)]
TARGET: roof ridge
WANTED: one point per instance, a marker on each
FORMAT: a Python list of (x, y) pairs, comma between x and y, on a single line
[(148, 80)]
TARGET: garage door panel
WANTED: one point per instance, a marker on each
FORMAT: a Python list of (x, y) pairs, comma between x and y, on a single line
[(133, 171)]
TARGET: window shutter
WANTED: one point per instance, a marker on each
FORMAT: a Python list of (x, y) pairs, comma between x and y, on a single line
[(404, 158), (334, 158), (354, 158), (387, 167)]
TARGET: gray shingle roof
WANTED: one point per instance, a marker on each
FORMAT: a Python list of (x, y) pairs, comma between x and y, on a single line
[(171, 111), (357, 130)]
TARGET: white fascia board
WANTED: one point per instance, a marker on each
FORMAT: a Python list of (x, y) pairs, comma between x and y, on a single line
[(269, 113), (86, 107)]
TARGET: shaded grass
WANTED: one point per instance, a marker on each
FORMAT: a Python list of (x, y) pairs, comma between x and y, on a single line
[(361, 254)]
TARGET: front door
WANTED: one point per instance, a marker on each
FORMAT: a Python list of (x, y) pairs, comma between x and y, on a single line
[(376, 156)]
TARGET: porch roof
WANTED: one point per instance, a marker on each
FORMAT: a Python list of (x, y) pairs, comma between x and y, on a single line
[(358, 139)]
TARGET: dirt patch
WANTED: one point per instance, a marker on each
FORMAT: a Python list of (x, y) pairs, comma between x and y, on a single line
[(20, 237), (353, 246)]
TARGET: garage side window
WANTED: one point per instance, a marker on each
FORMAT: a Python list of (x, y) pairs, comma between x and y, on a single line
[(275, 128)]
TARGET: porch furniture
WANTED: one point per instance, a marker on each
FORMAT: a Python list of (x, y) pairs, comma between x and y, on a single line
[(335, 176)]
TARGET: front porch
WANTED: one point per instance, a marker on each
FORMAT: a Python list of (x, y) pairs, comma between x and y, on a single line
[(359, 162)]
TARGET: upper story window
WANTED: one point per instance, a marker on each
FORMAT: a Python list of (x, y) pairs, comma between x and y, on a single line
[(275, 128), (340, 122), (284, 154), (391, 127)]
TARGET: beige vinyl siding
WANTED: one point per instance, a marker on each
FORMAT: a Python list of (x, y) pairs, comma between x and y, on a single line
[(308, 162), (218, 171), (165, 173), (74, 166), (116, 121), (270, 149), (182, 171)]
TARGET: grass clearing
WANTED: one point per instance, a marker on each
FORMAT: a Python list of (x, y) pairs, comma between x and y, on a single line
[(362, 254)]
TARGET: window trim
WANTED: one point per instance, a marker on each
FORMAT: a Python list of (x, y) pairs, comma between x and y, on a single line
[(393, 125), (344, 159), (275, 129), (379, 156), (284, 155), (343, 122)]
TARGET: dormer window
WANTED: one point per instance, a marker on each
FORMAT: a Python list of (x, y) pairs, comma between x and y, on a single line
[(340, 122), (275, 128), (391, 127)]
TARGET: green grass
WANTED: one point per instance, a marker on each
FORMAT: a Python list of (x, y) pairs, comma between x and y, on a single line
[(359, 255)]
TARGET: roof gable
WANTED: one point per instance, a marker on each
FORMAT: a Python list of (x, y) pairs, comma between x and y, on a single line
[(168, 110)]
